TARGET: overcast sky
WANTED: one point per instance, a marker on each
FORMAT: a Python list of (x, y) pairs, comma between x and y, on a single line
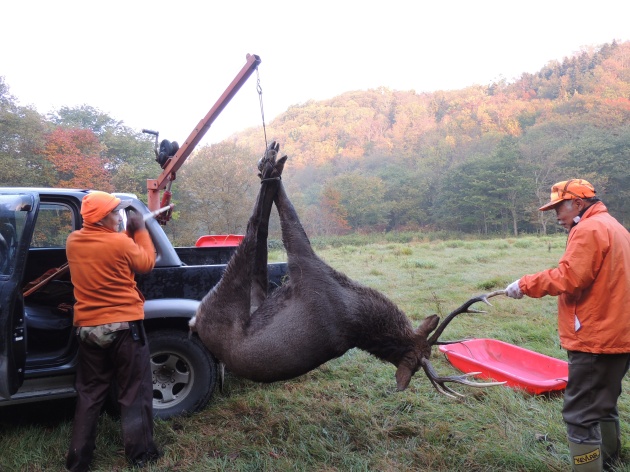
[(162, 65)]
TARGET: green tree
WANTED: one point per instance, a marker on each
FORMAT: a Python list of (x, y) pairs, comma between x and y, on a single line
[(362, 199), (463, 201), (130, 155), (601, 156), (22, 132), (132, 160), (84, 117), (214, 192), (543, 147), (509, 181), (405, 193), (491, 193)]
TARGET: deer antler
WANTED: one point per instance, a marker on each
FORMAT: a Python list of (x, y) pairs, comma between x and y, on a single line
[(440, 382), (465, 308)]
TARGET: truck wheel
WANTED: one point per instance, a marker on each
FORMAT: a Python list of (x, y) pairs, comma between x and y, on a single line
[(184, 373)]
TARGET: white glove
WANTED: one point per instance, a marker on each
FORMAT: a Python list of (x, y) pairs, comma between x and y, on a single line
[(513, 290)]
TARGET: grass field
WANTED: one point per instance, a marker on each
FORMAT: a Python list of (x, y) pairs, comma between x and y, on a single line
[(346, 415)]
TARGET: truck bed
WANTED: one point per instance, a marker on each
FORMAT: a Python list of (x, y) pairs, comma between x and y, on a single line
[(204, 255)]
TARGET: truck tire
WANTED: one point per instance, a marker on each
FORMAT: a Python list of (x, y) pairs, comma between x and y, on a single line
[(184, 373)]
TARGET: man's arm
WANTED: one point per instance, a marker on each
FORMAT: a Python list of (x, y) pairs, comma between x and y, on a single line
[(577, 269), (141, 250)]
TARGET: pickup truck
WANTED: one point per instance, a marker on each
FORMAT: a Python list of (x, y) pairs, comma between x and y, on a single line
[(38, 345)]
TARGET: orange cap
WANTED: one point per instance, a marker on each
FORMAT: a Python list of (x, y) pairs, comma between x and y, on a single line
[(569, 190), (97, 205)]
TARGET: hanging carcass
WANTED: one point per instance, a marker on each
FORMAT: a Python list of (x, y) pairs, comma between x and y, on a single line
[(317, 315)]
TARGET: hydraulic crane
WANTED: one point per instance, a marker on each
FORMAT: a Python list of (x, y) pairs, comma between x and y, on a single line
[(171, 157)]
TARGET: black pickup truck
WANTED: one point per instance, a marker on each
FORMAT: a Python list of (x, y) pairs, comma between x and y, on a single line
[(38, 346)]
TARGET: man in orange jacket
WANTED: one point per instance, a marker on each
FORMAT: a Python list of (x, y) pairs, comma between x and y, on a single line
[(592, 282), (108, 314)]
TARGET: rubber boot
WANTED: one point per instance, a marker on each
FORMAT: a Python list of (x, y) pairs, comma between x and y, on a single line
[(611, 442), (586, 457)]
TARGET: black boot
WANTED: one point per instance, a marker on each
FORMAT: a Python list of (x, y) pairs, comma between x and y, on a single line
[(611, 442)]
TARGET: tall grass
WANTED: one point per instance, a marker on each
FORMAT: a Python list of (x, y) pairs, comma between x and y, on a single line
[(347, 415)]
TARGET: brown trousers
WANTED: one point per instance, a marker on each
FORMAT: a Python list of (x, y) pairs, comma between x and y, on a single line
[(127, 362)]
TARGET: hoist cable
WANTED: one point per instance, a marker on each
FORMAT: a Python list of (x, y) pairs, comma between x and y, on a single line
[(260, 99)]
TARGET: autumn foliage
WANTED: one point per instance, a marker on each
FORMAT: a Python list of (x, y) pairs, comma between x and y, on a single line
[(75, 155), (477, 160)]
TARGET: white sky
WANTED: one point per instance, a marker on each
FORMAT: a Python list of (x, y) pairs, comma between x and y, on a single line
[(163, 64)]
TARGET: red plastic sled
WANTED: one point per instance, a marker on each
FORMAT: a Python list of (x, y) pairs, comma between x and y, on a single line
[(219, 240), (518, 367)]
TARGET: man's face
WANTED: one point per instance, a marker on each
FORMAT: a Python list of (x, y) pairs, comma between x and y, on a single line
[(113, 220), (566, 211)]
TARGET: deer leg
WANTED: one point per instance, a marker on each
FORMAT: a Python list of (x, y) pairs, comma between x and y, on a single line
[(259, 276), (241, 285), (294, 238), (270, 173), (259, 268)]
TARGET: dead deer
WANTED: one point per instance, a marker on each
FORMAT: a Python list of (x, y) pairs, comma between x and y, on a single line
[(316, 316)]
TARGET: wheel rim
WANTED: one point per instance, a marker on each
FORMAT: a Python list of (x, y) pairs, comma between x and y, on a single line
[(172, 379)]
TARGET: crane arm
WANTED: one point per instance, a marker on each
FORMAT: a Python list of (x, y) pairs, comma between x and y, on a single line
[(172, 166)]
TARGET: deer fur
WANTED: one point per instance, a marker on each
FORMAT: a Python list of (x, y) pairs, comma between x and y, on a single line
[(317, 315)]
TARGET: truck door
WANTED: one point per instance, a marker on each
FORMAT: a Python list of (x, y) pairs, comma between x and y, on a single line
[(17, 217)]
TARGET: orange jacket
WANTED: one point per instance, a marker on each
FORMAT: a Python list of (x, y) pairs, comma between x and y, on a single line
[(102, 266), (592, 282)]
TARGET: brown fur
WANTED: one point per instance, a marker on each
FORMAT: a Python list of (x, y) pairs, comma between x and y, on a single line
[(317, 315)]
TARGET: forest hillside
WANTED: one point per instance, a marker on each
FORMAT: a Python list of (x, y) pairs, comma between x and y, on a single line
[(479, 160)]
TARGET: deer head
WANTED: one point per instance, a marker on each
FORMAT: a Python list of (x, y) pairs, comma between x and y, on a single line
[(419, 357)]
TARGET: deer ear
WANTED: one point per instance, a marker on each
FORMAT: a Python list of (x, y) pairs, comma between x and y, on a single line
[(403, 377), (428, 325)]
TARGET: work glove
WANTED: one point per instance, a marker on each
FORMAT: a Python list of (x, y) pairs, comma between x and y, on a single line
[(513, 290), (134, 223)]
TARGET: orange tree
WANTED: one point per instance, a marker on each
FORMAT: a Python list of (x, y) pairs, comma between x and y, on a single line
[(75, 155)]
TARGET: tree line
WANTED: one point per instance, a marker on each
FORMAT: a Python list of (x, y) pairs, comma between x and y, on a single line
[(480, 159)]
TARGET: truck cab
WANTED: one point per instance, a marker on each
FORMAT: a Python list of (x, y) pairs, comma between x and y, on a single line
[(38, 344)]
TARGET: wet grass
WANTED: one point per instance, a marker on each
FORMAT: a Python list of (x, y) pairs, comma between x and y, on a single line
[(347, 415)]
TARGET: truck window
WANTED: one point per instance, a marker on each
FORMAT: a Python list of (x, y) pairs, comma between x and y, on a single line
[(54, 224), (12, 223)]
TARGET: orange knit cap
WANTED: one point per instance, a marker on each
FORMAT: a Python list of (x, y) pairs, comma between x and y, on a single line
[(97, 205)]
